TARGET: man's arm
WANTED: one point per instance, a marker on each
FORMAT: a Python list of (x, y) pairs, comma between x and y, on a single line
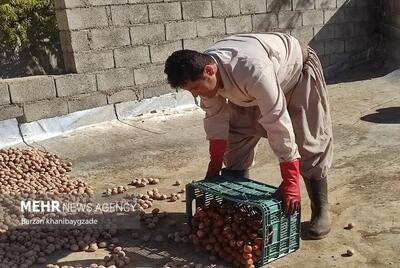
[(260, 82), (216, 119), (216, 125)]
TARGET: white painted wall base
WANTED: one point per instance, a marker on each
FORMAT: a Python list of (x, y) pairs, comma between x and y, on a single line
[(10, 130), (9, 133)]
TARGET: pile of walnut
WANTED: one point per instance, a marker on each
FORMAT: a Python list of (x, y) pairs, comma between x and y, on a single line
[(33, 171), (151, 220), (141, 201), (142, 182), (154, 194), (30, 174), (115, 190), (117, 258), (230, 233), (22, 248)]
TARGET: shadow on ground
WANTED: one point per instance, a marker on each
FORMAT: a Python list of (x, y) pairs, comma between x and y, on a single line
[(142, 248), (368, 70), (389, 115)]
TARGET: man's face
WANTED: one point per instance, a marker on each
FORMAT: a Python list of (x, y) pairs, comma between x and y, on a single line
[(206, 87)]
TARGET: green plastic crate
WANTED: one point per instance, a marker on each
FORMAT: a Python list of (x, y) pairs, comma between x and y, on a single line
[(285, 236)]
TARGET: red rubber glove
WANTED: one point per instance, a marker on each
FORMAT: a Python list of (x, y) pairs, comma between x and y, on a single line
[(217, 151), (290, 186)]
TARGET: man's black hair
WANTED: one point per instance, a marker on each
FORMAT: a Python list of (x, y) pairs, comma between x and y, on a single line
[(184, 66)]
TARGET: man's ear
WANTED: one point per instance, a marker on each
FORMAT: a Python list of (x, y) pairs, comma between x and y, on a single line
[(209, 70)]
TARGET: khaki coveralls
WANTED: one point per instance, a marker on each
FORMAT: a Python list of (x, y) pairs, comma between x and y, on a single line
[(270, 90)]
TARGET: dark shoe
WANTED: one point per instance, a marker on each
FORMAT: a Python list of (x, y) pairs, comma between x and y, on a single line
[(244, 173), (320, 224)]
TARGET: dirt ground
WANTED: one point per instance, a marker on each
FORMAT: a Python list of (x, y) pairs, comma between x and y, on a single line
[(364, 182)]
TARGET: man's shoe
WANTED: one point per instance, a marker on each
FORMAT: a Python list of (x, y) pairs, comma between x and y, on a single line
[(320, 224)]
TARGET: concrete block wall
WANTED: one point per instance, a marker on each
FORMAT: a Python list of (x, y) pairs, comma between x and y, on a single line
[(117, 48), (392, 30), (32, 98), (101, 35)]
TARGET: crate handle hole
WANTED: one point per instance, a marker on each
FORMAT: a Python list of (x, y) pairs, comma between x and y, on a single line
[(194, 208)]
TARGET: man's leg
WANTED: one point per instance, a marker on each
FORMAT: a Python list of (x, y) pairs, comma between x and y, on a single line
[(309, 110), (240, 155), (244, 134)]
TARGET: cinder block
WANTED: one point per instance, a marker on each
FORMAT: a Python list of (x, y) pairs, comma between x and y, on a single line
[(144, 1), (62, 20), (113, 79), (354, 44), (146, 34), (4, 94), (325, 4), (31, 88), (44, 109), (313, 17), (366, 3), (91, 61), (225, 8), (325, 32), (198, 44), (334, 16), (220, 37), (197, 9), (318, 46), (353, 14), (69, 62), (131, 56), (253, 6), (285, 31), (207, 27), (325, 60), (157, 91), (362, 29), (334, 46), (74, 84), (106, 2), (82, 18), (241, 24), (165, 12), (373, 15), (396, 22), (346, 3), (159, 53), (289, 19), (123, 95), (395, 4), (10, 111), (150, 74), (303, 4), (279, 5), (86, 101), (339, 58), (265, 22), (59, 4), (128, 15), (110, 37), (343, 30), (392, 46), (388, 20), (304, 34), (180, 30), (74, 41)]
